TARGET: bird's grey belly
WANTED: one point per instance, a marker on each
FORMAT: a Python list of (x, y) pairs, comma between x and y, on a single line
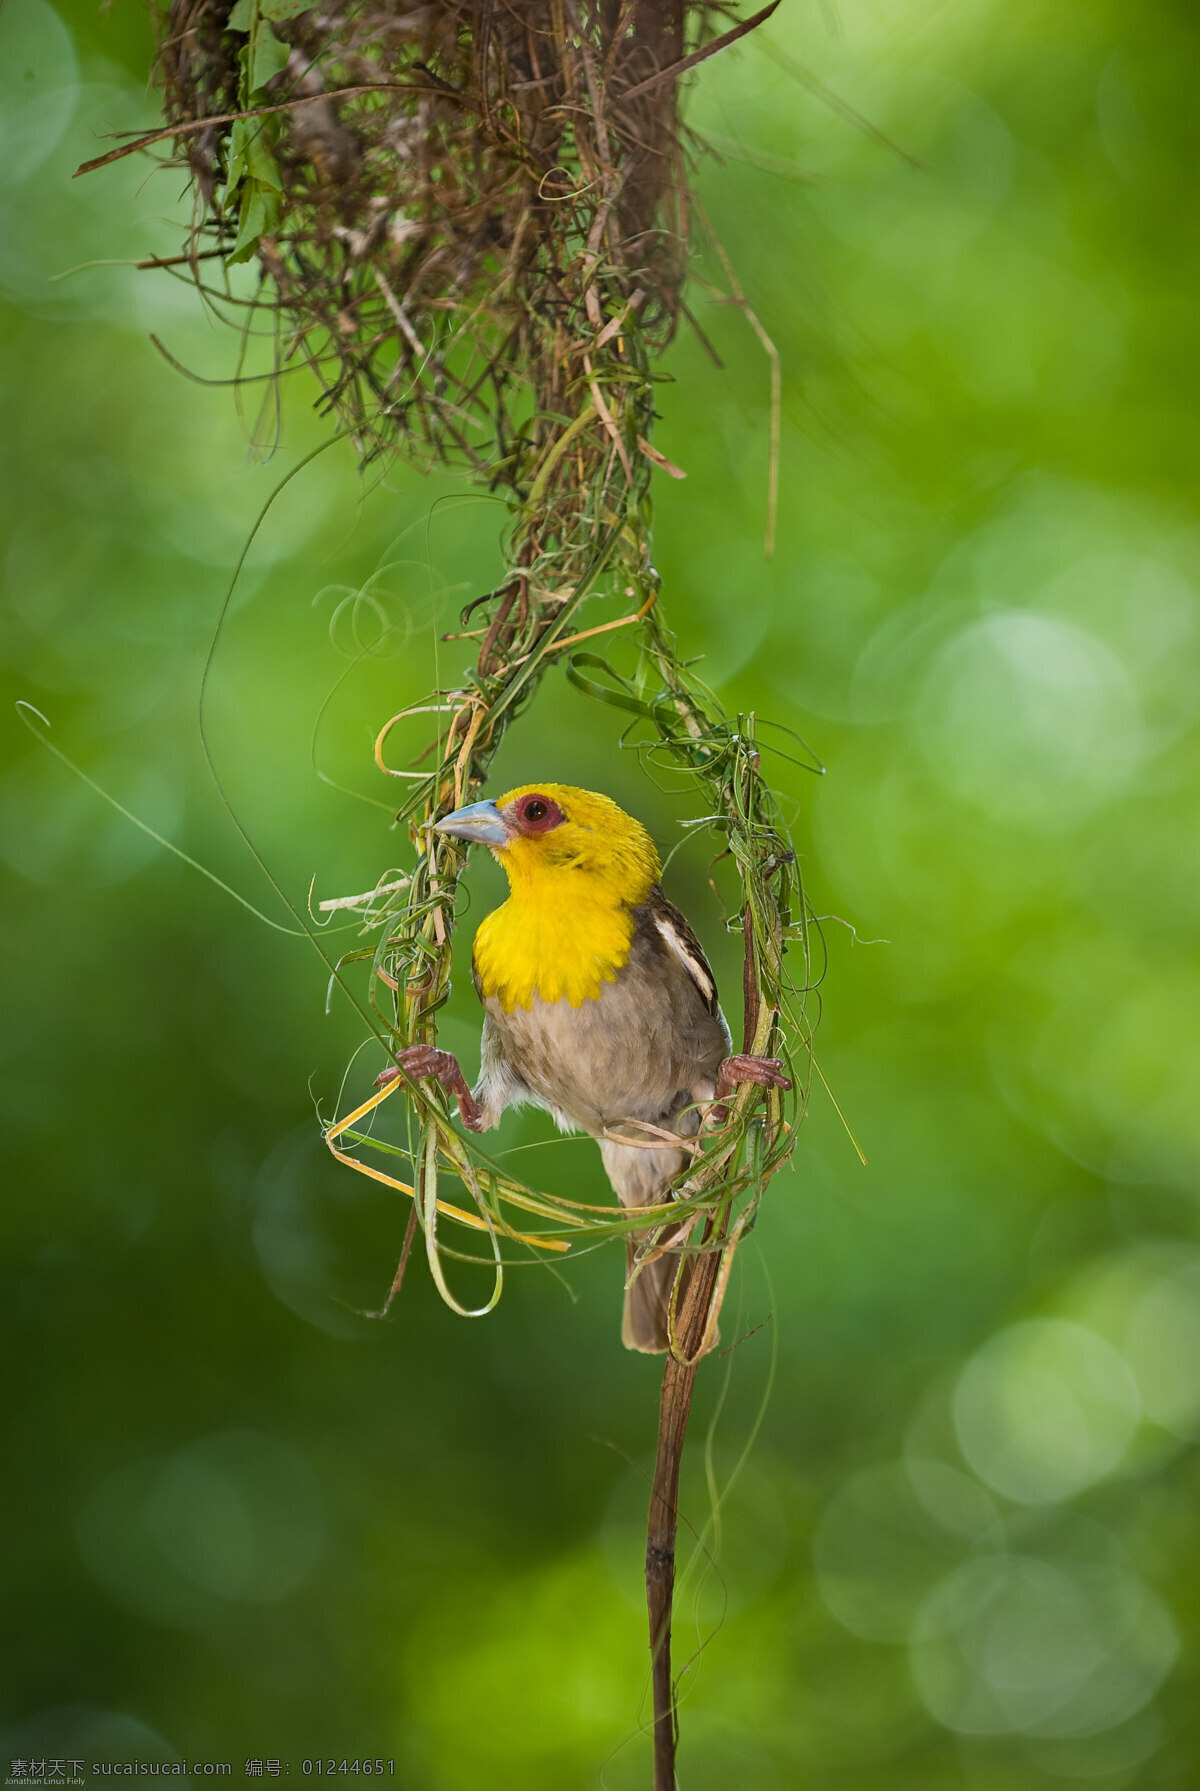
[(642, 1050)]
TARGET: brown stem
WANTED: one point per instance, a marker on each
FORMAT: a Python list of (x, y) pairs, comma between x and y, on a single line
[(679, 1381)]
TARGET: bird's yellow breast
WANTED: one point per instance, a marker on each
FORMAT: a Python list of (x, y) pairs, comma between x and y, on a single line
[(537, 946)]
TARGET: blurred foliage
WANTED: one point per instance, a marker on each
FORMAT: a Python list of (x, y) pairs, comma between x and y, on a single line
[(245, 1520)]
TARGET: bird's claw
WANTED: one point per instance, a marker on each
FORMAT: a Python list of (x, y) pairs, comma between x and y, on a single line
[(418, 1061), (767, 1072)]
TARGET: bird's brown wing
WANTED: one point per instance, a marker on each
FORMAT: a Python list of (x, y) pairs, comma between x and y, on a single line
[(676, 933)]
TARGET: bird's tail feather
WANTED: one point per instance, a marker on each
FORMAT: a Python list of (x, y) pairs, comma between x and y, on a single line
[(639, 1178), (647, 1303)]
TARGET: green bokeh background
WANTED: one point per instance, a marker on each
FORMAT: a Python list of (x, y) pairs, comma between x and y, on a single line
[(957, 1544)]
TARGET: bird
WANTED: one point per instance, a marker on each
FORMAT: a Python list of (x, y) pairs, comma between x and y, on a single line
[(599, 1006)]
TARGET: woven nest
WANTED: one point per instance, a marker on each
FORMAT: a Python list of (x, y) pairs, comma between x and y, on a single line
[(443, 198)]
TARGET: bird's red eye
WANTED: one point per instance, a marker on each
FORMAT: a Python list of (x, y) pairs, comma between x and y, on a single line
[(538, 814)]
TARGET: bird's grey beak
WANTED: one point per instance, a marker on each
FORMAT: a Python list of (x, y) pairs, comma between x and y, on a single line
[(480, 821)]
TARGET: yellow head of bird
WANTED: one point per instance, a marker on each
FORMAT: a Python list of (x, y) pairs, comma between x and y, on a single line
[(554, 835)]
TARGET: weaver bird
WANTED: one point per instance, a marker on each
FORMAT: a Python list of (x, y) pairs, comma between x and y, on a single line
[(599, 1006)]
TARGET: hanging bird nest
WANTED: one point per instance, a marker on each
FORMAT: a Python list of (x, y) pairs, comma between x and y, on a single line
[(448, 203), (471, 221)]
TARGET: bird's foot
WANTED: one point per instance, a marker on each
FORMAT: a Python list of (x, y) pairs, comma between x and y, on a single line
[(767, 1072), (419, 1061)]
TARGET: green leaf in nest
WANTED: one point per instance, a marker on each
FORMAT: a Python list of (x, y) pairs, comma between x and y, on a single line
[(250, 155), (283, 9), (268, 56), (261, 206), (622, 698), (265, 55)]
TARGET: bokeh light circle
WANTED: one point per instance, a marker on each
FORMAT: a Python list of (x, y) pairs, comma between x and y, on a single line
[(1030, 719), (1162, 1342), (39, 85), (236, 1517), (1012, 1644), (1045, 1409), (888, 1534)]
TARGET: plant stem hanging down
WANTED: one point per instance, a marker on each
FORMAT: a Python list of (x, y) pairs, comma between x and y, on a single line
[(679, 1380), (704, 1285)]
